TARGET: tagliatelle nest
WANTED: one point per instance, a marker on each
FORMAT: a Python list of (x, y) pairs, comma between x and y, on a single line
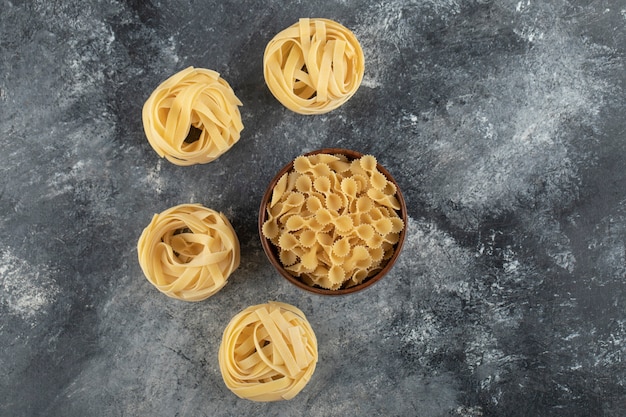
[(268, 352), (188, 252), (314, 66), (192, 117)]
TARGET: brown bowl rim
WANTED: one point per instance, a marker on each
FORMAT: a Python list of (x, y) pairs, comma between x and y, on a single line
[(270, 250)]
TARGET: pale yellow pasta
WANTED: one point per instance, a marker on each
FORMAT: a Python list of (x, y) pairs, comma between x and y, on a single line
[(368, 163), (314, 66), (195, 99), (287, 257), (279, 190), (342, 225), (188, 252), (268, 352), (271, 229), (342, 247), (336, 201)]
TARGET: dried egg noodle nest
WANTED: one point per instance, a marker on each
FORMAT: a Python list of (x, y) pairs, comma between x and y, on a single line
[(333, 221), (268, 352), (188, 252), (314, 66), (193, 97)]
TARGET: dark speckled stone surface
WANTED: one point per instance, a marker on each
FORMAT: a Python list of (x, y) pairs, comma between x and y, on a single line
[(502, 120)]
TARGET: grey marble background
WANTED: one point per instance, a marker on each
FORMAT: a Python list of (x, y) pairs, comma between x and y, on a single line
[(504, 121)]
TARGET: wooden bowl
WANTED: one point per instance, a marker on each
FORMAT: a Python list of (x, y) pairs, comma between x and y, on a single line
[(272, 252)]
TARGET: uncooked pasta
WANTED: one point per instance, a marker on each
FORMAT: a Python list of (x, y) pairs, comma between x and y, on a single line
[(314, 66), (188, 252), (268, 352), (192, 117), (334, 221)]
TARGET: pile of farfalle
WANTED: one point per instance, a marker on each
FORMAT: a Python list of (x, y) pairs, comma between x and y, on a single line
[(334, 221)]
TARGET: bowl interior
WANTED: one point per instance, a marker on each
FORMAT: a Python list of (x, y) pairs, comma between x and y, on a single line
[(272, 252)]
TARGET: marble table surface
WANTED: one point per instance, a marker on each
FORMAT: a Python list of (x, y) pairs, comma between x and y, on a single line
[(503, 121)]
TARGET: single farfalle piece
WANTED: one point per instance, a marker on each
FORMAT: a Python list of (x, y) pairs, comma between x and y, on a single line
[(192, 117), (268, 352), (313, 66), (188, 252)]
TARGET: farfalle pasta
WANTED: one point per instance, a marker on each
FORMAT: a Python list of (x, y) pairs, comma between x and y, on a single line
[(333, 221), (192, 117), (268, 352), (314, 66), (188, 252)]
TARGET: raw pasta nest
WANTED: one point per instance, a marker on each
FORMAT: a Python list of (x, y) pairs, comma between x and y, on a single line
[(268, 352), (314, 66), (188, 252), (192, 117), (333, 221)]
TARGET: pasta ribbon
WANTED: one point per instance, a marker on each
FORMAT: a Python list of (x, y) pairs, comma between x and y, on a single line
[(268, 352), (193, 100), (313, 66), (188, 252)]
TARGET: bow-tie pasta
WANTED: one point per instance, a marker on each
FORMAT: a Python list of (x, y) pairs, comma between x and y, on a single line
[(334, 222), (268, 352), (314, 66), (192, 117), (188, 252)]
